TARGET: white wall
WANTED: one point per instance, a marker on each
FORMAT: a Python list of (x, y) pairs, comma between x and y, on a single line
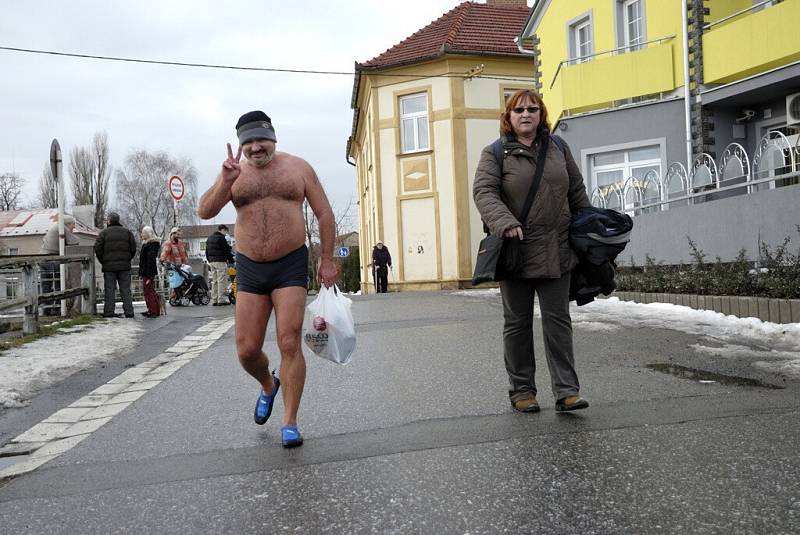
[(480, 132)]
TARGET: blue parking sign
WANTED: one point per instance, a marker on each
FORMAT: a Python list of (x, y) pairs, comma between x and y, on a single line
[(342, 252)]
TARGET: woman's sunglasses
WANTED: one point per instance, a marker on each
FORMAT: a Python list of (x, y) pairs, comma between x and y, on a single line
[(529, 109)]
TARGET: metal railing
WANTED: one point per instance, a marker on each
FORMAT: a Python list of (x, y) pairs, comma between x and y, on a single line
[(775, 164), (626, 48), (740, 12)]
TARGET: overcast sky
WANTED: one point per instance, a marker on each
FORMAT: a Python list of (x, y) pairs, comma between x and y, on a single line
[(190, 112)]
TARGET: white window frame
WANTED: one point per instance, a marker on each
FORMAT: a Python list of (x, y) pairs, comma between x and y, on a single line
[(578, 54), (626, 166), (629, 43), (419, 119)]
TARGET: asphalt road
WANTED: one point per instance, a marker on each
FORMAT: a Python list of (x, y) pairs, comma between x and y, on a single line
[(416, 435)]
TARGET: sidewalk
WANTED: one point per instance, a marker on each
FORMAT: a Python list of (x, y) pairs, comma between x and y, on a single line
[(416, 435)]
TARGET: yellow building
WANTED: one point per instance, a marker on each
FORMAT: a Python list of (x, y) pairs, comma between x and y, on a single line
[(613, 74), (423, 111)]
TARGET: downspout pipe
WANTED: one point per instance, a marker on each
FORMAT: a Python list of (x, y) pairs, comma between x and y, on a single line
[(687, 104), (521, 49)]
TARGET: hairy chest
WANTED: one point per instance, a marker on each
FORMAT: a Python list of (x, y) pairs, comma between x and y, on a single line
[(255, 185)]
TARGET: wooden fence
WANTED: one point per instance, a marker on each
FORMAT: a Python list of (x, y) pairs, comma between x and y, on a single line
[(30, 267)]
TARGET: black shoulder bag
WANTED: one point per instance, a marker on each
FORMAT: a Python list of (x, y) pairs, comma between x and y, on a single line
[(492, 247)]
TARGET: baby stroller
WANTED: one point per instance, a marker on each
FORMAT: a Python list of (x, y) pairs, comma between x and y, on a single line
[(186, 286)]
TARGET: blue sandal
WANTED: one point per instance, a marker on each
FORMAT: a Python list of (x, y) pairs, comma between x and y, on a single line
[(291, 437), (265, 402)]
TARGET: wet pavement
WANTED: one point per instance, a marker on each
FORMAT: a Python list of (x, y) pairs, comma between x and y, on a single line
[(416, 435)]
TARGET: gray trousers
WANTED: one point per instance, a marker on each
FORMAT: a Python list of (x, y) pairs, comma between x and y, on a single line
[(111, 279), (556, 328), (219, 282)]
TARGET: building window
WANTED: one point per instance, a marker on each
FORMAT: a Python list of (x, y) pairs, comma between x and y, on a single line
[(633, 34), (414, 122), (13, 251), (611, 170), (580, 41)]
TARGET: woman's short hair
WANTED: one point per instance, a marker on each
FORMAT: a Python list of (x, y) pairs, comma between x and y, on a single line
[(505, 120), (148, 233)]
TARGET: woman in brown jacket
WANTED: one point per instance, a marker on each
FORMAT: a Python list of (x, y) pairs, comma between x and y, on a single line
[(544, 258)]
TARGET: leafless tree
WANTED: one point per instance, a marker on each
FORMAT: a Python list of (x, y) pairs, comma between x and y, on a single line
[(101, 178), (142, 194), (10, 191), (48, 196), (342, 223), (81, 171), (90, 173)]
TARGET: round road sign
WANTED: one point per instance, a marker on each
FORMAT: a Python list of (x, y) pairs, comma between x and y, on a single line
[(176, 187)]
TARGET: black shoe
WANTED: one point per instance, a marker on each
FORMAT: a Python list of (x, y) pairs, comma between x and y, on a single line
[(129, 316), (146, 314)]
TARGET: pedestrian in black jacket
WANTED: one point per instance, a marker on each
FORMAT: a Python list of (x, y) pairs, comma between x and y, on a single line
[(219, 255), (380, 260), (151, 245), (115, 248)]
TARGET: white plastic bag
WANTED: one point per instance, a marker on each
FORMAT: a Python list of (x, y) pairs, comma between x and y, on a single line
[(329, 328)]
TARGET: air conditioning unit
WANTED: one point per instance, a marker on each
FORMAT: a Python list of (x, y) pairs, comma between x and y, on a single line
[(793, 109)]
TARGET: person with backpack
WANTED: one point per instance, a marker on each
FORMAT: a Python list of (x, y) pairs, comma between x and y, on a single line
[(536, 258)]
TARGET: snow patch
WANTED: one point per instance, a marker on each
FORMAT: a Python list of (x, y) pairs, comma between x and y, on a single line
[(30, 368)]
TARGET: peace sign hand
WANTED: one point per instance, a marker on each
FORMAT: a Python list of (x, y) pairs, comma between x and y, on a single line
[(230, 167)]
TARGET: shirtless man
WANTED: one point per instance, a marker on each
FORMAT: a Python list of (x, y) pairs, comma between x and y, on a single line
[(268, 190)]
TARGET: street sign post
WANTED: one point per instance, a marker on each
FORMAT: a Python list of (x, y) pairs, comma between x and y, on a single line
[(343, 252), (177, 189), (56, 169)]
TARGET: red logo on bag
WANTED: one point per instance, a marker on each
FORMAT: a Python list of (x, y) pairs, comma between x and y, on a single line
[(319, 323)]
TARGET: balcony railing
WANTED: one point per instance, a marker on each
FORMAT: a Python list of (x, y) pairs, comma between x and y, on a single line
[(776, 163), (614, 76), (625, 49), (747, 43)]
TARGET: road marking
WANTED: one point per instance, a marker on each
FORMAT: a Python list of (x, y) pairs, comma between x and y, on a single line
[(66, 428)]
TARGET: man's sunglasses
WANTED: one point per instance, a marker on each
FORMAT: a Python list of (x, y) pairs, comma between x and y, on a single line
[(530, 109)]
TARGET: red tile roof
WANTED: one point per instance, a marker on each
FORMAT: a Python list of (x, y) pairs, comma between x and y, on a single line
[(469, 28)]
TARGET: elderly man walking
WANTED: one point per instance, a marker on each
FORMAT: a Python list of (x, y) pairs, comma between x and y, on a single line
[(114, 249)]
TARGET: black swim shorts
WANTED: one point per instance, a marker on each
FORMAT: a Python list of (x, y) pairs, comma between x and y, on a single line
[(264, 277)]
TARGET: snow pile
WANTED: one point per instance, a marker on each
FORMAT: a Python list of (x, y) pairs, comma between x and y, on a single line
[(772, 346), (27, 369)]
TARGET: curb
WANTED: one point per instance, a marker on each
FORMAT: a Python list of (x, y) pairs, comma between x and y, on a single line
[(763, 308)]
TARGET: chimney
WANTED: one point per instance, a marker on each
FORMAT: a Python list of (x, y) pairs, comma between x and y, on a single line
[(507, 3)]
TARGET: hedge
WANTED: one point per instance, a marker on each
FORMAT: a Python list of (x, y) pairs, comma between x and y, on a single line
[(776, 273)]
